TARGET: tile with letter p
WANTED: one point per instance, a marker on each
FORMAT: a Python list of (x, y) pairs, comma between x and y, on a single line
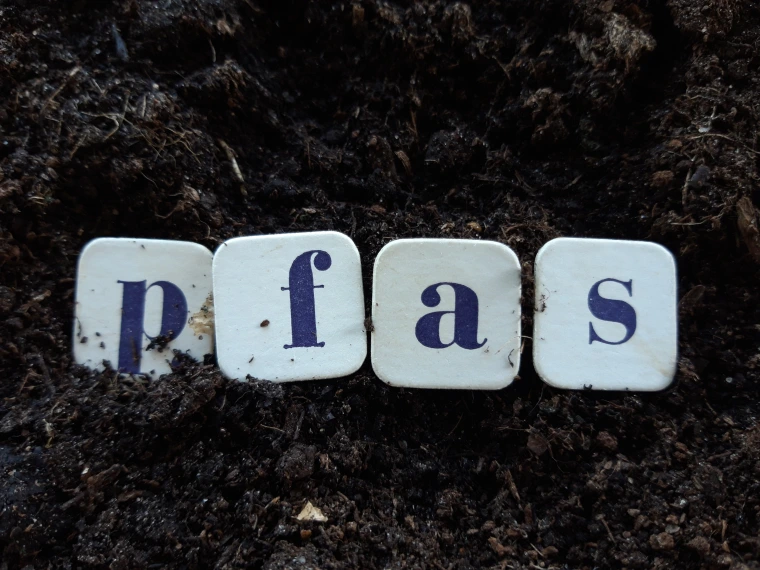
[(446, 314), (289, 307), (605, 315), (137, 300)]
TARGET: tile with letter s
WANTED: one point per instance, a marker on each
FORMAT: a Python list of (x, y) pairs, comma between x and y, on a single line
[(605, 315), (137, 300), (289, 307), (446, 314)]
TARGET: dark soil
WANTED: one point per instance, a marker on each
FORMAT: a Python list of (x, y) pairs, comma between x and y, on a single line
[(517, 121)]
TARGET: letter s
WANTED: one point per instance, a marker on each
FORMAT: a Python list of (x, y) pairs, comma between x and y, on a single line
[(611, 310)]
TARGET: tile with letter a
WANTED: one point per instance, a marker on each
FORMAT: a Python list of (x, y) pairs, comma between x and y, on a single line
[(138, 300), (289, 307), (446, 314), (605, 315)]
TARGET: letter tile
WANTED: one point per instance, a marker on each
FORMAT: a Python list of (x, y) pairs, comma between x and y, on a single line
[(605, 315), (289, 307), (446, 314), (137, 300)]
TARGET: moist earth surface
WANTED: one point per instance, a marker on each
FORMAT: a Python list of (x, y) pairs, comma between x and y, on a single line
[(510, 121)]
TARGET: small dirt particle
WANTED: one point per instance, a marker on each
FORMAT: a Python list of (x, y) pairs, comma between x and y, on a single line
[(500, 550), (381, 156), (297, 462), (105, 478), (691, 299), (311, 513), (550, 552), (202, 322), (7, 299), (662, 178), (357, 15), (699, 178), (662, 542), (537, 444), (606, 441), (265, 323), (459, 15), (407, 164)]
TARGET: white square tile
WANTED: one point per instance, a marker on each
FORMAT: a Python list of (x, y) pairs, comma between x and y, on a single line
[(605, 315), (289, 307), (131, 291), (446, 314)]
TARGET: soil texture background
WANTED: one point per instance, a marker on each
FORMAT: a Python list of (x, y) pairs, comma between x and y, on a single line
[(512, 121)]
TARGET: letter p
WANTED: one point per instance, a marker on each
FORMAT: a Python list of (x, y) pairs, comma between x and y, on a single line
[(173, 318)]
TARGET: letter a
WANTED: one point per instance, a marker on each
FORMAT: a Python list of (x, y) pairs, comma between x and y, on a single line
[(303, 316), (173, 317), (465, 318), (611, 310)]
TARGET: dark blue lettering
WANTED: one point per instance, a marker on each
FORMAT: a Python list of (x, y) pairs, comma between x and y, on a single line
[(303, 316), (173, 317), (611, 310), (465, 318)]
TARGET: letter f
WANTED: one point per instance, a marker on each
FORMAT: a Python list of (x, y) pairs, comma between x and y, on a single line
[(303, 317)]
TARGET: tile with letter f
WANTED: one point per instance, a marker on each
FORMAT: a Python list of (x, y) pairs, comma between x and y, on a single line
[(605, 315), (138, 300), (446, 314), (289, 307)]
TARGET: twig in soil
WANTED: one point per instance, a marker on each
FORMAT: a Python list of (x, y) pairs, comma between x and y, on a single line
[(510, 340), (407, 164), (77, 146), (298, 425), (23, 383), (50, 433), (353, 224), (46, 376), (456, 426), (720, 455), (721, 136), (609, 532), (233, 162), (690, 223), (71, 74), (685, 189), (537, 550), (527, 187), (512, 487), (118, 119), (213, 51), (413, 128), (540, 397)]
